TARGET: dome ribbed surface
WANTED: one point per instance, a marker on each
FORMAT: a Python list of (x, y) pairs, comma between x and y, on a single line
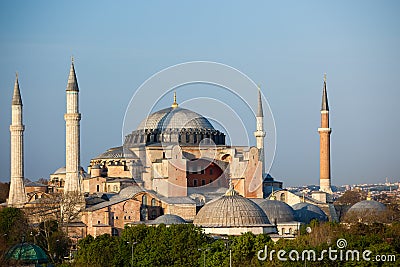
[(367, 205), (231, 211), (175, 118), (169, 219), (277, 211)]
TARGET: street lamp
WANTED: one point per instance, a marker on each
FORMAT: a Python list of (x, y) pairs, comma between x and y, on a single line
[(204, 252), (133, 243)]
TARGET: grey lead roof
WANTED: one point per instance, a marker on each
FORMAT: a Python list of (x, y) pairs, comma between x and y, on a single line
[(175, 118), (324, 105), (16, 100), (72, 81), (259, 107), (168, 219)]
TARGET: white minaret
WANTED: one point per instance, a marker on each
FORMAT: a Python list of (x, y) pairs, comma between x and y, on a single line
[(72, 129), (17, 195), (260, 133)]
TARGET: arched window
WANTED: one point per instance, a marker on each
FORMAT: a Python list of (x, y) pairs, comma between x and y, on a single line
[(283, 231), (144, 200), (153, 202), (283, 197), (290, 231), (98, 188), (114, 232)]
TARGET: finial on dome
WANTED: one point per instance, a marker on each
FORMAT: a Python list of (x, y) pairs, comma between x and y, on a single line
[(272, 196), (16, 75), (231, 190), (174, 105), (369, 196)]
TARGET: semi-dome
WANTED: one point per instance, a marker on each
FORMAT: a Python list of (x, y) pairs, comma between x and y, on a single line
[(169, 219), (277, 211), (231, 210), (175, 118), (306, 212), (27, 253), (116, 153), (130, 191)]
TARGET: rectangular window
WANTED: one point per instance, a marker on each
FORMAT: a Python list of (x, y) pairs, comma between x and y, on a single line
[(194, 182), (203, 182), (211, 171)]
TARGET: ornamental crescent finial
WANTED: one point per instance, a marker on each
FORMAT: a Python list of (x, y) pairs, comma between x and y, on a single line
[(174, 105)]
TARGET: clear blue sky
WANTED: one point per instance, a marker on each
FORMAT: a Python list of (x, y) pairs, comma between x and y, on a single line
[(284, 45)]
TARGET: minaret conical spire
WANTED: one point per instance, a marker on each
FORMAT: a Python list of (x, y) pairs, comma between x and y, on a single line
[(16, 100), (72, 81), (324, 105), (260, 112)]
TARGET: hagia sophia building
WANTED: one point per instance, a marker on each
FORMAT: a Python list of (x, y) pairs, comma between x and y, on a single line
[(175, 167)]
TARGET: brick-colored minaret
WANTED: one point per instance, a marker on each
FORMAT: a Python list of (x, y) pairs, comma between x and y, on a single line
[(17, 195), (72, 129), (325, 144), (260, 133)]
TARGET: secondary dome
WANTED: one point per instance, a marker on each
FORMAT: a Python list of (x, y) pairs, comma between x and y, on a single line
[(231, 210), (306, 212), (169, 219), (277, 211), (367, 206), (175, 118), (366, 211)]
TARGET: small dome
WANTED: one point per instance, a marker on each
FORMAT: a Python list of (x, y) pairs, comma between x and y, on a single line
[(306, 212), (27, 253), (277, 211), (231, 210), (169, 219), (175, 118), (63, 170), (130, 191), (368, 206)]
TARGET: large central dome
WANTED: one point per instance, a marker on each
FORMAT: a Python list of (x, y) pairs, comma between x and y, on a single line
[(175, 118), (175, 125)]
